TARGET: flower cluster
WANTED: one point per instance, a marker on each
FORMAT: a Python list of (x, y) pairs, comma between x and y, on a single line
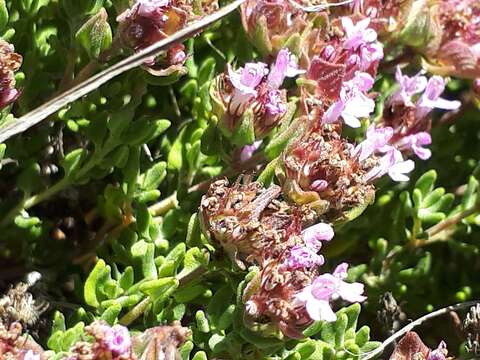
[(320, 172), (253, 225), (14, 345), (411, 346), (10, 62), (111, 342), (404, 127), (458, 52), (342, 67), (250, 97), (115, 343), (272, 24), (149, 21)]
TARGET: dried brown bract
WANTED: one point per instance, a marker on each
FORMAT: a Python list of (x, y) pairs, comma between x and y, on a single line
[(10, 62), (247, 219), (321, 173), (270, 298), (161, 342)]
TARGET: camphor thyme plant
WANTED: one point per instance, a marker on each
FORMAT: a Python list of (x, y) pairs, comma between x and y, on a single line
[(261, 179)]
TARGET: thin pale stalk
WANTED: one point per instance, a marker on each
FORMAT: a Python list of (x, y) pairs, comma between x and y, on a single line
[(414, 324)]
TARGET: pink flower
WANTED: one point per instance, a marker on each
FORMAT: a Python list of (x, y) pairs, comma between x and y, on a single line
[(415, 142), (328, 287), (30, 355), (319, 185), (245, 80), (248, 79), (357, 34), (315, 234), (409, 86), (248, 150), (353, 103), (431, 98), (362, 42), (285, 66), (117, 339), (391, 163), (439, 353), (274, 105), (303, 257), (375, 140)]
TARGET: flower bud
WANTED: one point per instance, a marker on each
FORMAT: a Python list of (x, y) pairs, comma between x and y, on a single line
[(273, 24), (148, 22)]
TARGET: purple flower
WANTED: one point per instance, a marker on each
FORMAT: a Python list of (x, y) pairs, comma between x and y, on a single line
[(244, 81), (274, 104), (315, 234), (146, 8), (353, 103), (248, 150), (375, 140), (357, 34), (117, 339), (303, 257), (431, 99), (363, 42), (409, 86), (285, 66), (391, 163), (415, 142), (328, 287), (30, 355), (319, 185), (439, 353)]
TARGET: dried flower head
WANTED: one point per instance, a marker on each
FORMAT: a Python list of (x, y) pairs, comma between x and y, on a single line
[(320, 172), (411, 347), (160, 342), (10, 62), (16, 345), (149, 21), (247, 220), (271, 24), (458, 53), (270, 297), (18, 305), (471, 326)]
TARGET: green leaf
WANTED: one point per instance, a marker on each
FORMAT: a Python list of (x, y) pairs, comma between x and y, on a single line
[(175, 156), (426, 182), (202, 322), (158, 288), (95, 35), (73, 161), (111, 314), (244, 133), (3, 16), (154, 176), (97, 277), (58, 323), (127, 278)]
